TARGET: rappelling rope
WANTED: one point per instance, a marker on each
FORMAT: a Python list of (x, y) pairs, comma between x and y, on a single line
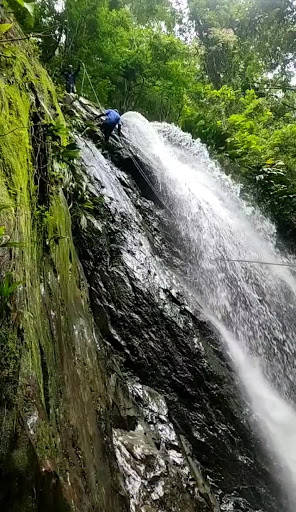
[(83, 78), (92, 87), (261, 262)]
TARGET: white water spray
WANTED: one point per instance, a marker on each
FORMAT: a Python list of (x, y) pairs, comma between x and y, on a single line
[(252, 306)]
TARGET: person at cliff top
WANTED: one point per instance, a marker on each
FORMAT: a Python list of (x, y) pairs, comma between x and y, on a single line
[(112, 119), (70, 77)]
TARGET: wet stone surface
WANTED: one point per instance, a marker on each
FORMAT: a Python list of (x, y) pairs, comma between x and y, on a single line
[(156, 472), (187, 418)]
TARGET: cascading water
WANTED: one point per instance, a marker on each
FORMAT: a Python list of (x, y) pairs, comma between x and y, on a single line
[(253, 306)]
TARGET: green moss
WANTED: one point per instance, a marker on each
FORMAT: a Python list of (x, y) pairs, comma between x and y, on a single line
[(26, 89), (50, 345), (9, 354)]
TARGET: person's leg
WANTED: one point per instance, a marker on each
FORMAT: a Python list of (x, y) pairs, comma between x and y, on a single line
[(103, 129), (107, 131)]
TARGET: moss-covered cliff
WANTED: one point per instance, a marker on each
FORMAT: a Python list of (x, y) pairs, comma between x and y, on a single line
[(55, 451)]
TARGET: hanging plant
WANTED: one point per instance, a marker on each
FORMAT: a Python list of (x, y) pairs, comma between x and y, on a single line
[(4, 27), (27, 5), (23, 11)]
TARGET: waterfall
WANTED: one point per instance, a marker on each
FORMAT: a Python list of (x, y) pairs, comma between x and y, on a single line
[(252, 306)]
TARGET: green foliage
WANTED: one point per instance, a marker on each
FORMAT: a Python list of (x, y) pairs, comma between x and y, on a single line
[(4, 207), (7, 289), (4, 27), (69, 153), (64, 149), (30, 7), (5, 240), (243, 39), (10, 349), (151, 12), (23, 11), (30, 345), (58, 131), (227, 80), (132, 62)]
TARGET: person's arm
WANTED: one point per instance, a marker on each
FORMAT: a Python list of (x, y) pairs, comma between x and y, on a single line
[(101, 115), (77, 70)]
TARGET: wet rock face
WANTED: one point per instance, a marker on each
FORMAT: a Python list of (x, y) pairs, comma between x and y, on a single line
[(161, 343), (156, 471), (154, 460)]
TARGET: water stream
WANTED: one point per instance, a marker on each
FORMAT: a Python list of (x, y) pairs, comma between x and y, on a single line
[(252, 306)]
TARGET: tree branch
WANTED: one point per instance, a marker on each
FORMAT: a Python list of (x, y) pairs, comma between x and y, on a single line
[(24, 38), (14, 129)]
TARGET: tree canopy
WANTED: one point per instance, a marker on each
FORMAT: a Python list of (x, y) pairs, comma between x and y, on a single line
[(221, 69)]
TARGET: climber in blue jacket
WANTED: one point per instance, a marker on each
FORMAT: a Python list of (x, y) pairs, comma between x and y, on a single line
[(112, 119)]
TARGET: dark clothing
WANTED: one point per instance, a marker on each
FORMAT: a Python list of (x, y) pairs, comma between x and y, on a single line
[(70, 77), (107, 130), (70, 86), (111, 121)]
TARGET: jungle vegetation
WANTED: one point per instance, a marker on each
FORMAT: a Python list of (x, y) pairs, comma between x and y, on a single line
[(222, 70)]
